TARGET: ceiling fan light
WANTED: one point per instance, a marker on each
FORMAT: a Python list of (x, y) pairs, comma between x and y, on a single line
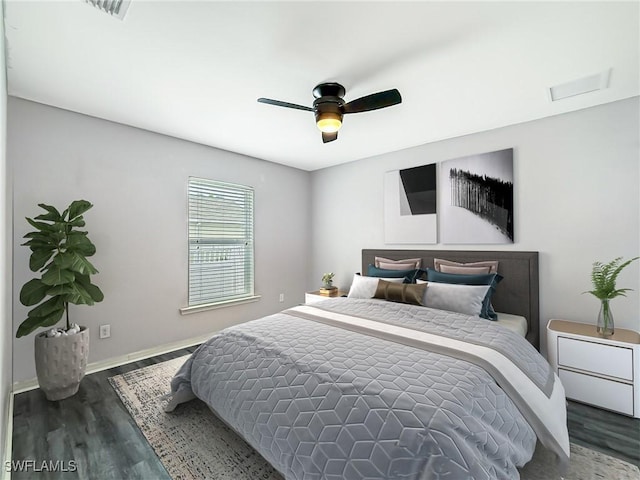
[(329, 122)]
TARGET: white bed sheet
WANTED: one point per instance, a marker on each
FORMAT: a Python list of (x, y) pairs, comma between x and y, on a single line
[(515, 323)]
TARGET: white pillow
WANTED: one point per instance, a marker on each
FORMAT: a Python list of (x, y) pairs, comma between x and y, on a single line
[(365, 287), (455, 298)]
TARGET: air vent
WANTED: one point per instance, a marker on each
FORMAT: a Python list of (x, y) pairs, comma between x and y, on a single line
[(115, 8), (599, 81)]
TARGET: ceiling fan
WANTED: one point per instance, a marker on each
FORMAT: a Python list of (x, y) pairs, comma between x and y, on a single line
[(329, 106)]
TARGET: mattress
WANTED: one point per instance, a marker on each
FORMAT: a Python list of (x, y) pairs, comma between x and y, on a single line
[(359, 389), (515, 323)]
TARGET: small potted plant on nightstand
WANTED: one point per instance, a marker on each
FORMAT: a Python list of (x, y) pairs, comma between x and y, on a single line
[(327, 285), (603, 278)]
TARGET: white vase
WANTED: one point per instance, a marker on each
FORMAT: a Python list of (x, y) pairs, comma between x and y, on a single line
[(61, 363)]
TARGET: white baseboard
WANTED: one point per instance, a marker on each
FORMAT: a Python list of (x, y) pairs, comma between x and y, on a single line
[(31, 384), (7, 440)]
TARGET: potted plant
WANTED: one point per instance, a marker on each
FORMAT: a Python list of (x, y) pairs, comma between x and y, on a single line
[(59, 252), (327, 281), (327, 285), (603, 278)]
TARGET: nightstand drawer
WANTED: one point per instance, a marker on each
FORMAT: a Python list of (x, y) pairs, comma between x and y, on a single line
[(598, 391), (596, 357)]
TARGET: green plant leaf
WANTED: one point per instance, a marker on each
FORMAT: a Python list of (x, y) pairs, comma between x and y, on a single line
[(45, 237), (46, 307), (31, 323), (91, 289), (33, 292), (64, 260), (51, 238), (52, 215), (35, 244), (620, 292), (40, 247), (77, 222), (44, 227), (39, 242), (50, 209), (78, 207), (57, 276), (63, 289), (39, 258), (79, 295), (78, 242), (81, 265)]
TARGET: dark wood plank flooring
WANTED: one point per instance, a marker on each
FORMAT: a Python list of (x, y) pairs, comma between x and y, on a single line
[(606, 432), (95, 430), (92, 428)]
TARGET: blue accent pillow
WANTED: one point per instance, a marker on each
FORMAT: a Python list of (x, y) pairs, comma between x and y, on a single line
[(491, 279), (409, 275)]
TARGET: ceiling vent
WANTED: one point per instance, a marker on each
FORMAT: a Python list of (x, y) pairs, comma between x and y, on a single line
[(599, 81), (115, 8)]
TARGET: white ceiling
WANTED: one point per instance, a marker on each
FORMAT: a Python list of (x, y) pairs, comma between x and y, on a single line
[(194, 70)]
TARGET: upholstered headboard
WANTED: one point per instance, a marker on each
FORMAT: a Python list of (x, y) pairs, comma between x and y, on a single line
[(516, 294)]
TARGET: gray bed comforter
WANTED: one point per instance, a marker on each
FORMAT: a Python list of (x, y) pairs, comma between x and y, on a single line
[(323, 402)]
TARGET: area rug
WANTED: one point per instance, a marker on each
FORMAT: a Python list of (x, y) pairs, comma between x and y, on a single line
[(192, 443)]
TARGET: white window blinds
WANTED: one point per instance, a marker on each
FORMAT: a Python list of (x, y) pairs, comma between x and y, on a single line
[(220, 242)]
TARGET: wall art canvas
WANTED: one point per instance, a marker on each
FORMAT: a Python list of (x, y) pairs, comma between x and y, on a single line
[(410, 203), (476, 198)]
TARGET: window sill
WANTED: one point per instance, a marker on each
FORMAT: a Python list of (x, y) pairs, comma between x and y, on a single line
[(213, 306)]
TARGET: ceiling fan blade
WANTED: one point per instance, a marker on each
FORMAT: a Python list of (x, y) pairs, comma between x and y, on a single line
[(374, 101), (329, 137), (278, 103)]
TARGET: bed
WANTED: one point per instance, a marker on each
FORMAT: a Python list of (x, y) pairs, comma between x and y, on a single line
[(354, 388)]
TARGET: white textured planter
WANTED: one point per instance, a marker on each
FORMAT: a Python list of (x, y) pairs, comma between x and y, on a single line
[(61, 363)]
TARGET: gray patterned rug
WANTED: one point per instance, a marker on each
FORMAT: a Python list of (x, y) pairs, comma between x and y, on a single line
[(192, 443)]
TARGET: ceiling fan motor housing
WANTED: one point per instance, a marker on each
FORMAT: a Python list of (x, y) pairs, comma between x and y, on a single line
[(328, 108), (329, 101)]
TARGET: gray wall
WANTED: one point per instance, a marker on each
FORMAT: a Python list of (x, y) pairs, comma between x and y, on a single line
[(137, 181), (576, 201), (5, 255)]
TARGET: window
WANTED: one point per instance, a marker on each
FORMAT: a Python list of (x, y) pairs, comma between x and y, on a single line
[(220, 243)]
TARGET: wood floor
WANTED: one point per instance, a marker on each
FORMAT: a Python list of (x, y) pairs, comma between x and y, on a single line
[(94, 430)]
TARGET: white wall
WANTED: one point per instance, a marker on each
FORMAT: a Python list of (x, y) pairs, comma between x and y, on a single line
[(137, 181), (576, 201), (5, 256)]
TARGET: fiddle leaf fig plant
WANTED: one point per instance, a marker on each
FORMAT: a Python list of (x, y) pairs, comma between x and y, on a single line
[(59, 252)]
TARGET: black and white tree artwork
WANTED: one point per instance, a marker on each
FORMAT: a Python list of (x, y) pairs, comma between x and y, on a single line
[(477, 199)]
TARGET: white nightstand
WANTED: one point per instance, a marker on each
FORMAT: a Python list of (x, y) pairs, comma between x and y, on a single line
[(604, 372), (313, 297)]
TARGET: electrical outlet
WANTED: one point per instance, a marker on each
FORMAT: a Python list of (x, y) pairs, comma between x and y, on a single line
[(105, 331), (282, 297)]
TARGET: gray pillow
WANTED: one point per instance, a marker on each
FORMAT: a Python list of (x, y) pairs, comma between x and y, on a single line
[(455, 298)]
